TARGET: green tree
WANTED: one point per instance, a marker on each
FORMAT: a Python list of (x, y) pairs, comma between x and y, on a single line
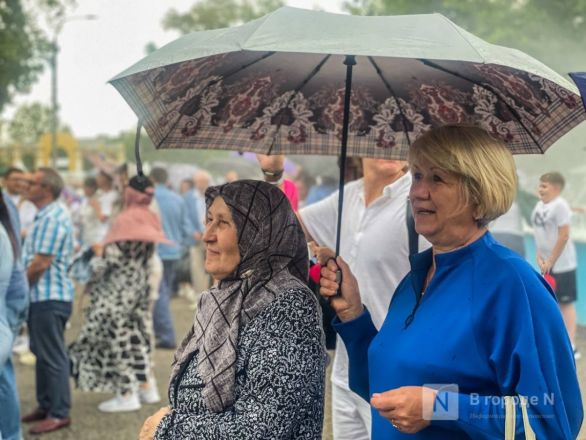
[(29, 122), (23, 46), (554, 32), (213, 14)]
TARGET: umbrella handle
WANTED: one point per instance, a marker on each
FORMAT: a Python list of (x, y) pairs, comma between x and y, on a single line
[(137, 149), (338, 278)]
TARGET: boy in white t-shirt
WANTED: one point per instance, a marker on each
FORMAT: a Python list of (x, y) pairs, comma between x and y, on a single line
[(556, 253)]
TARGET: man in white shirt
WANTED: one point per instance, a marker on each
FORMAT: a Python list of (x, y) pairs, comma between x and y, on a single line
[(375, 243)]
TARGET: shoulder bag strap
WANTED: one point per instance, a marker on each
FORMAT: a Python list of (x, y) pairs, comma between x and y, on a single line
[(510, 418), (529, 433)]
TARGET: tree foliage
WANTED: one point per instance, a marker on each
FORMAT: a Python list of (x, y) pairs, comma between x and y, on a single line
[(29, 122), (552, 31), (23, 46), (213, 14)]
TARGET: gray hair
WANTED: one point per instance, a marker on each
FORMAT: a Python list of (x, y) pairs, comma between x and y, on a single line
[(52, 180)]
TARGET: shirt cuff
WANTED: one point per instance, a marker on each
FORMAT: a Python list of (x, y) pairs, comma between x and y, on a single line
[(355, 330)]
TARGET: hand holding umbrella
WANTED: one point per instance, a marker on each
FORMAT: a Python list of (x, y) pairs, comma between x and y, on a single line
[(344, 297)]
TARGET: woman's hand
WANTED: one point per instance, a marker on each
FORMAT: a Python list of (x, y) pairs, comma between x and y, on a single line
[(347, 303), (149, 427), (409, 409)]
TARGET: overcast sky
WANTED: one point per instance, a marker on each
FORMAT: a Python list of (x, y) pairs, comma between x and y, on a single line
[(94, 51)]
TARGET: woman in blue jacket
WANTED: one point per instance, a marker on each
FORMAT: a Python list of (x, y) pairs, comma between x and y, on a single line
[(471, 323)]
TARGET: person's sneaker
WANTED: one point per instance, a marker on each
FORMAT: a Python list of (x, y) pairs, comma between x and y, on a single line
[(121, 403), (149, 395)]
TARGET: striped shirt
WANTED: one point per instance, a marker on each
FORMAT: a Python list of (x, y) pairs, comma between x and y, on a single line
[(51, 234)]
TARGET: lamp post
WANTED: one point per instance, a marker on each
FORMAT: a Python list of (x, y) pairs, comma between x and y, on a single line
[(53, 65)]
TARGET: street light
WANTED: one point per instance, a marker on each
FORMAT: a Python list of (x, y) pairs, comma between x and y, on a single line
[(53, 65)]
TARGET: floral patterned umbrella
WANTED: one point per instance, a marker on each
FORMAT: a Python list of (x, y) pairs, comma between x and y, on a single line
[(309, 82), (277, 85)]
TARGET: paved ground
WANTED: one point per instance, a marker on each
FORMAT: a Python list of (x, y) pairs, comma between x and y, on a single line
[(90, 424)]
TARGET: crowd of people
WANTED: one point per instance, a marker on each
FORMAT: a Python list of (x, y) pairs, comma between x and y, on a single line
[(424, 296)]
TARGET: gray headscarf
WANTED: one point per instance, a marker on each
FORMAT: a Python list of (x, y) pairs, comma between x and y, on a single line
[(274, 258)]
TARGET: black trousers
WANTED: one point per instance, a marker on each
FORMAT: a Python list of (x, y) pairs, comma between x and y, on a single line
[(46, 325)]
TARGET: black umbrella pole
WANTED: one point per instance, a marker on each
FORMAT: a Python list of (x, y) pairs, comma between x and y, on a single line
[(350, 62), (137, 149)]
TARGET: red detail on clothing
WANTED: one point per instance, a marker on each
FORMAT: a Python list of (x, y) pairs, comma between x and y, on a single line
[(315, 273), (290, 190), (551, 281)]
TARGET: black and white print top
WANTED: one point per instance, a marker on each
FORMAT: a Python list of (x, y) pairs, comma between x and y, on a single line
[(280, 374)]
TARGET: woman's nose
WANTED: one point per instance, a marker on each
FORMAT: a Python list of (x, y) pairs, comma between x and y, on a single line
[(208, 234), (419, 190)]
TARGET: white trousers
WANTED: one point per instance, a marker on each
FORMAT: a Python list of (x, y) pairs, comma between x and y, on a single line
[(351, 418)]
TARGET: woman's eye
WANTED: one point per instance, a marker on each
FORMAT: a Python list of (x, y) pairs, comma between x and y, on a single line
[(417, 176), (437, 178)]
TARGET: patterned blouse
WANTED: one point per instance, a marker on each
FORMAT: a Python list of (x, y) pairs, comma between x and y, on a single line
[(280, 372)]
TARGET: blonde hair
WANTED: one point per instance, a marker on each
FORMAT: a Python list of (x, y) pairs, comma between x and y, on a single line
[(483, 164)]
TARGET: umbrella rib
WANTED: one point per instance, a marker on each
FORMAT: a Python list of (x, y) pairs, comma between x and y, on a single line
[(297, 89), (394, 95), (238, 69), (491, 90)]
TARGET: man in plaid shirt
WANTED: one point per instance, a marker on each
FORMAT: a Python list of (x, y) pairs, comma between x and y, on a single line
[(47, 255)]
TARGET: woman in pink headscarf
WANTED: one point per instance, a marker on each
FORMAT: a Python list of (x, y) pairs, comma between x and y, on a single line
[(112, 350)]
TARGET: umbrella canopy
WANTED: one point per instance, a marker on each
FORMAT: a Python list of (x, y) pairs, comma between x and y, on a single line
[(277, 85)]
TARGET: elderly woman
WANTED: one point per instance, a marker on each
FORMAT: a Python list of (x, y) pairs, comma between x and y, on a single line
[(253, 364), (471, 323)]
